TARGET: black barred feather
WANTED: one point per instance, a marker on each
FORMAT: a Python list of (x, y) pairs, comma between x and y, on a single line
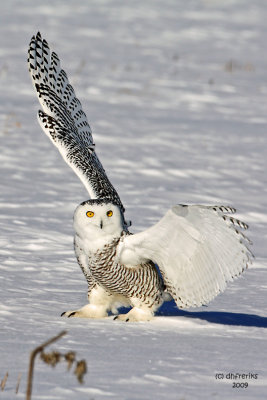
[(64, 121), (233, 223), (142, 282)]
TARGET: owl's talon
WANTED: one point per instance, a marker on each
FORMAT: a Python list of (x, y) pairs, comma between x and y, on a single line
[(127, 320), (72, 314), (116, 317), (64, 312)]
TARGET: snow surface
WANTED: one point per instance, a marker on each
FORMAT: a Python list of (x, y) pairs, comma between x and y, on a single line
[(175, 92)]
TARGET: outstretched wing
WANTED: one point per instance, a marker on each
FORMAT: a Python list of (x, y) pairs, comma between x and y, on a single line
[(198, 249), (64, 121)]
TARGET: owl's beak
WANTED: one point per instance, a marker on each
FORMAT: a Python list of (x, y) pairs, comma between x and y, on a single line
[(101, 224)]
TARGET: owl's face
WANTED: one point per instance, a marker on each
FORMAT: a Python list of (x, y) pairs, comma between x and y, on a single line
[(95, 219)]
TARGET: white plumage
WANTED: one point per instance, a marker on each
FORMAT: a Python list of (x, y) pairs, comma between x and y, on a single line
[(197, 249)]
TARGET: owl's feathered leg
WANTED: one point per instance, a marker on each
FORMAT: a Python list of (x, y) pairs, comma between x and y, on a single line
[(100, 303), (141, 311), (136, 314), (87, 311)]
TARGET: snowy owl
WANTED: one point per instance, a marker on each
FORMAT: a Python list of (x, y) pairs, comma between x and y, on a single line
[(188, 256)]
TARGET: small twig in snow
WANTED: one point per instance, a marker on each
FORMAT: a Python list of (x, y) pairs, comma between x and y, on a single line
[(3, 382), (37, 350), (18, 382)]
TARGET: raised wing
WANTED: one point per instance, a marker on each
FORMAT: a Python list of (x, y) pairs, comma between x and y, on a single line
[(198, 249), (64, 121)]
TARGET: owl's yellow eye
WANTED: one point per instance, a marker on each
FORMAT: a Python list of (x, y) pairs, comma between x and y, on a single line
[(90, 214), (109, 213)]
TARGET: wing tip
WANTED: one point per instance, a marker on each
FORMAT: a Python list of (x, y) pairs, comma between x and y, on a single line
[(180, 209)]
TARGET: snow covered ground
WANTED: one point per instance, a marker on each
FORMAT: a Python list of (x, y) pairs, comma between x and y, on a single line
[(176, 94)]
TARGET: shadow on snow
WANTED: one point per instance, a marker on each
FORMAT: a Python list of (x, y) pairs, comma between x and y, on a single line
[(216, 317)]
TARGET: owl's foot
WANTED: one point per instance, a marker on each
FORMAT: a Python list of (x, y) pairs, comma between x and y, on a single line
[(88, 311), (136, 314)]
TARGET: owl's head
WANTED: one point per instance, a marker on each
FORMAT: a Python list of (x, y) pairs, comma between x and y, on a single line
[(98, 218)]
